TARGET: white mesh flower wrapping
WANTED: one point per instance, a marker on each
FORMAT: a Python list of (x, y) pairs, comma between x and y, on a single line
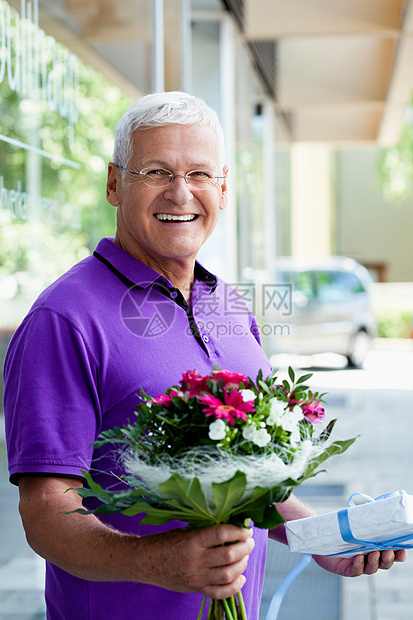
[(261, 471)]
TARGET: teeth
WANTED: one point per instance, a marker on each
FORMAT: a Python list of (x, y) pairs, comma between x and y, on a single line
[(175, 218)]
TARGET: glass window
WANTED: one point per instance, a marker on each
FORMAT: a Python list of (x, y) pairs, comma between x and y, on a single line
[(56, 136)]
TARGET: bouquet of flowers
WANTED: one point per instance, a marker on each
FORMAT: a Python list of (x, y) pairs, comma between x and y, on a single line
[(214, 449)]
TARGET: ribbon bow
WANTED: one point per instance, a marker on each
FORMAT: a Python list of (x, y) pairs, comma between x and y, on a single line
[(368, 545)]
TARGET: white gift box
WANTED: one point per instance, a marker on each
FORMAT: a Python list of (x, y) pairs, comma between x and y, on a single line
[(387, 522)]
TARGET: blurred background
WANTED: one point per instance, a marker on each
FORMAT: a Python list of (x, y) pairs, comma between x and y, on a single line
[(315, 99)]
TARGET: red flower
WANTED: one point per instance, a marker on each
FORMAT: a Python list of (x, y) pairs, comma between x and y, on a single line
[(314, 412), (230, 379), (233, 406)]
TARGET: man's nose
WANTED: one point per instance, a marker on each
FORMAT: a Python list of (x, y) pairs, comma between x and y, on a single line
[(178, 191)]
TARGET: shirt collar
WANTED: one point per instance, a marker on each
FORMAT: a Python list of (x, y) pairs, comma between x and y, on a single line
[(133, 272)]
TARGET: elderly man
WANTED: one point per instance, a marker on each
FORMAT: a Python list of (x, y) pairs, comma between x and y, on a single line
[(133, 316)]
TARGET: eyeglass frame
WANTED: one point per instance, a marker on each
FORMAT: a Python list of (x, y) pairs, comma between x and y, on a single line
[(171, 176)]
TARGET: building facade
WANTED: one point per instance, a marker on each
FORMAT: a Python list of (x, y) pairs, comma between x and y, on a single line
[(68, 71)]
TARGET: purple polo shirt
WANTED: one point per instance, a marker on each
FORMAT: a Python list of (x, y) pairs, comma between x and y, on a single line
[(107, 328)]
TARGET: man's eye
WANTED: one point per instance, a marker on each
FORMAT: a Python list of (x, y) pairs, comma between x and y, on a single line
[(200, 175), (158, 172)]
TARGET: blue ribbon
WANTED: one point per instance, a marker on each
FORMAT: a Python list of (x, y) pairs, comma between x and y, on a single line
[(368, 545)]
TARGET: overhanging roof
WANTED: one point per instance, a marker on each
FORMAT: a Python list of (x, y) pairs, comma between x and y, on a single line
[(344, 68)]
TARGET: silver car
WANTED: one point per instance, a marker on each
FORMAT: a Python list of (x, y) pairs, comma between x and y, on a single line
[(324, 306)]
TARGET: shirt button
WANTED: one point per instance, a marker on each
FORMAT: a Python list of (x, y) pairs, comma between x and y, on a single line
[(205, 338), (174, 294)]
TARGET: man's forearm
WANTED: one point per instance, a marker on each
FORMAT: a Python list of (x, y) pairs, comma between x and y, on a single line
[(290, 510), (178, 560), (76, 543)]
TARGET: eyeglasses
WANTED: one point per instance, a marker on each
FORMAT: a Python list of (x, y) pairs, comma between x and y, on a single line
[(158, 177)]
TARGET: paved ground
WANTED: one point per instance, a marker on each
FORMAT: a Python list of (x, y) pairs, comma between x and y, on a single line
[(375, 403)]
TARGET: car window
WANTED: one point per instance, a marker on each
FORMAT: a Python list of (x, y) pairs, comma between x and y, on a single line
[(336, 286), (355, 284), (302, 282)]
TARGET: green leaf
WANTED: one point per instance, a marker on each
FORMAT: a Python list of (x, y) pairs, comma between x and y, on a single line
[(304, 378), (253, 507), (271, 519), (159, 514), (291, 374), (189, 489), (338, 447), (227, 495), (264, 386), (327, 431)]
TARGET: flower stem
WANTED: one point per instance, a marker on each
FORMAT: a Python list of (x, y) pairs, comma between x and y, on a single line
[(233, 607), (227, 610), (242, 605), (202, 608)]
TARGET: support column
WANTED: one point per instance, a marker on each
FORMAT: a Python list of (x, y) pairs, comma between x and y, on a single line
[(178, 42), (311, 200), (158, 46)]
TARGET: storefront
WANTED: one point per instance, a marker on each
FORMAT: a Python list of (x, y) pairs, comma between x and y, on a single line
[(68, 71)]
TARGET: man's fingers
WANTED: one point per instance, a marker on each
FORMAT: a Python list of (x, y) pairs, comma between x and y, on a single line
[(371, 563), (228, 554), (224, 591), (223, 534), (401, 555)]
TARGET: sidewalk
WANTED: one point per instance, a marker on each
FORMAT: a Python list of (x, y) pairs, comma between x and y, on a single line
[(377, 404)]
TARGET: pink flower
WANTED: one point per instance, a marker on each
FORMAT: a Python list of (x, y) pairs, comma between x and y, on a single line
[(314, 412), (164, 399), (193, 382), (233, 406), (230, 379)]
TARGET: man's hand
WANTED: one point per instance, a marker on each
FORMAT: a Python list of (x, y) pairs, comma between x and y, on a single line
[(361, 564), (347, 567), (210, 561)]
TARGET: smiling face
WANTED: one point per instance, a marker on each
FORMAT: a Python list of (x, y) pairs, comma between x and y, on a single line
[(165, 227)]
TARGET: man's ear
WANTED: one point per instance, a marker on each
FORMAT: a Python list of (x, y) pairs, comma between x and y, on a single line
[(113, 185), (224, 190)]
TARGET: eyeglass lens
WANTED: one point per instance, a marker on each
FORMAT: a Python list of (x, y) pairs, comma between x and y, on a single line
[(162, 178)]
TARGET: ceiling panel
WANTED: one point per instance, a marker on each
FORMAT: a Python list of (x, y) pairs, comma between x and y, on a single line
[(344, 67)]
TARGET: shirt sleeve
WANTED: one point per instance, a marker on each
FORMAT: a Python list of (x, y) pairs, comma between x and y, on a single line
[(51, 400)]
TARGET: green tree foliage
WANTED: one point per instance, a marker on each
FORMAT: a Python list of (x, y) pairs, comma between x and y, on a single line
[(396, 167), (35, 250)]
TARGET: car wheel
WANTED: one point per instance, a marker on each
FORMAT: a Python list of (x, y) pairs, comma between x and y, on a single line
[(360, 345)]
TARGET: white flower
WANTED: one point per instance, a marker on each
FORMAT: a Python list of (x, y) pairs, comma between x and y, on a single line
[(247, 395), (290, 419), (217, 430), (248, 432), (276, 412), (295, 437), (261, 438)]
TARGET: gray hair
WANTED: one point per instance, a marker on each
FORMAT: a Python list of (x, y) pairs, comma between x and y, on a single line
[(161, 110)]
